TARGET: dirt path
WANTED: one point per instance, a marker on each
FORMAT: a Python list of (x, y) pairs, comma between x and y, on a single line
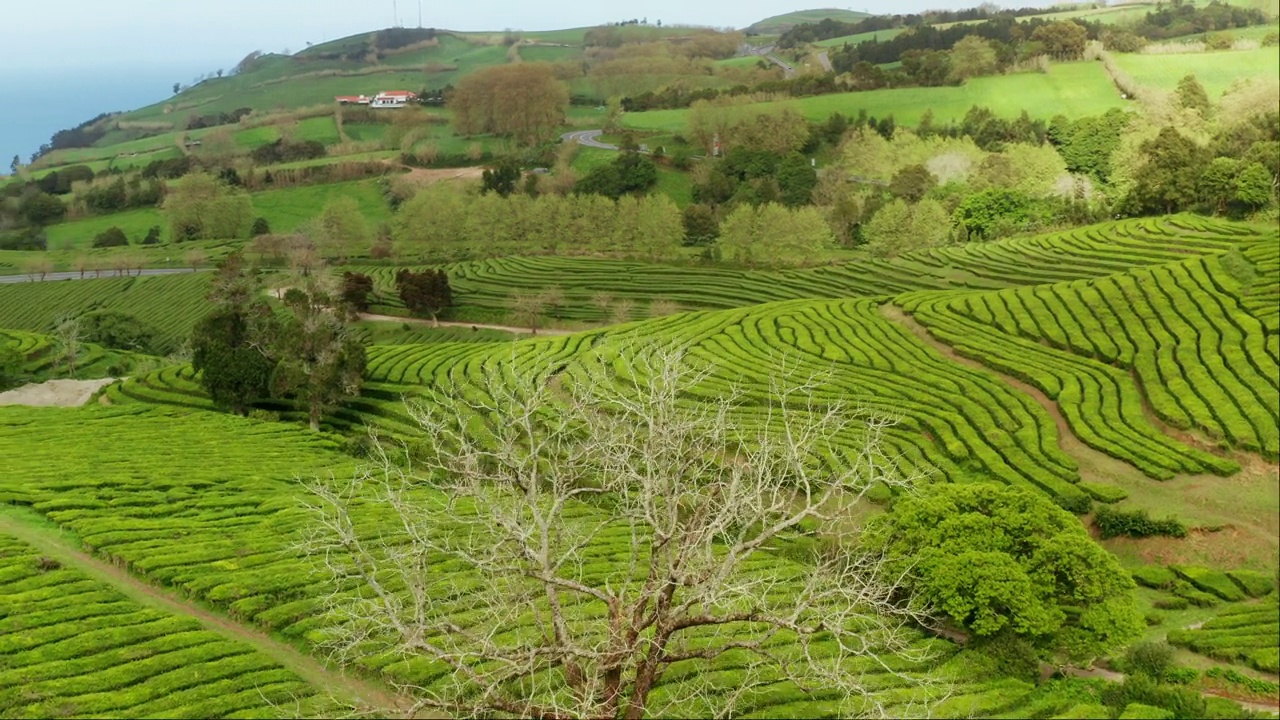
[(1091, 462), (49, 541), (442, 323), (55, 393)]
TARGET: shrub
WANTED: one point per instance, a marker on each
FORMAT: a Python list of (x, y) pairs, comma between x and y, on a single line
[(1154, 576), (111, 237), (121, 331), (1012, 656), (1210, 581), (1173, 603), (1253, 583), (1152, 659), (1181, 675), (11, 362), (1194, 596), (153, 236), (28, 239), (1139, 711), (1266, 660), (1104, 493), (260, 227), (1113, 522)]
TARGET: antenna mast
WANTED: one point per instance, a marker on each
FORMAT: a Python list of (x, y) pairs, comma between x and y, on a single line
[(419, 14), (395, 12)]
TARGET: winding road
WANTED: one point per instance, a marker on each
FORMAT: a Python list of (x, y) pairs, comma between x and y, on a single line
[(587, 138)]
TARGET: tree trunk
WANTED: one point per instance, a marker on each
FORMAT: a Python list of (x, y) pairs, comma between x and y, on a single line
[(315, 418)]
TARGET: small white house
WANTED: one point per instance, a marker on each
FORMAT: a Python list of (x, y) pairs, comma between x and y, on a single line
[(353, 99), (392, 99)]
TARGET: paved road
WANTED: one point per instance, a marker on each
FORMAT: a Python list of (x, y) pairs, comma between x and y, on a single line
[(88, 275), (588, 138), (787, 71), (825, 59)]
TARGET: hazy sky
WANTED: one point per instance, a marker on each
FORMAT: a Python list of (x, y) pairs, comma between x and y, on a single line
[(132, 33)]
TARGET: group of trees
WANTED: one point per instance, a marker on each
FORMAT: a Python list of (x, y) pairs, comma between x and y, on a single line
[(203, 207), (246, 351), (426, 292), (444, 221), (525, 101)]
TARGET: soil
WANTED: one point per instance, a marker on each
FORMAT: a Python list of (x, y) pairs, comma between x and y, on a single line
[(442, 323), (341, 686), (423, 176), (55, 393)]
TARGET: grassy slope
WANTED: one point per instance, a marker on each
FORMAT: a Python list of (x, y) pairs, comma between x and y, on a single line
[(782, 23), (1215, 70), (284, 209), (1077, 89)]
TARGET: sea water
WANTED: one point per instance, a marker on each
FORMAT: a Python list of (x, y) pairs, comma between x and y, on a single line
[(38, 103)]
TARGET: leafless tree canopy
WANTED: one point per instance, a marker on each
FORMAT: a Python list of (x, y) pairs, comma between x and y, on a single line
[(571, 539)]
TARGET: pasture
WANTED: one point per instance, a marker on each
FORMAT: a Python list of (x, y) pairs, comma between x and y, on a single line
[(1078, 89), (1216, 71)]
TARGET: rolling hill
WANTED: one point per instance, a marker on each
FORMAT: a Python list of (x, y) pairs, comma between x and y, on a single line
[(779, 24)]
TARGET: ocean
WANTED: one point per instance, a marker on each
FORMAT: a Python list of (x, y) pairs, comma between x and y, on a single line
[(38, 103)]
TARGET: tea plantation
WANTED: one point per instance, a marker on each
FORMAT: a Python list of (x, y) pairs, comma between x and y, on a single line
[(1153, 342)]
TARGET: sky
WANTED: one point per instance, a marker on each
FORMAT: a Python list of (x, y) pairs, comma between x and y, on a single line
[(73, 34)]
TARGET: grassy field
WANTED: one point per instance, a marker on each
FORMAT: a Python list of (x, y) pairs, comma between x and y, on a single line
[(285, 210), (1078, 89), (782, 23), (1216, 71), (880, 35)]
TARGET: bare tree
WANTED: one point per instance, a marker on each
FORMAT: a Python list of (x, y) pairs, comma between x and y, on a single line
[(304, 257), (603, 302), (621, 311), (602, 529), (553, 298), (67, 332), (663, 307), (81, 264), (196, 257), (527, 308)]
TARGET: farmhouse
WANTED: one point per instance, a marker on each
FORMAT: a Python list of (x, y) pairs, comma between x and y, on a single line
[(392, 99)]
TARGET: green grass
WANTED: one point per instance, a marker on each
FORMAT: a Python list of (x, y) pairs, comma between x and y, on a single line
[(547, 53), (881, 35), (1076, 89), (784, 22), (1216, 71), (285, 210)]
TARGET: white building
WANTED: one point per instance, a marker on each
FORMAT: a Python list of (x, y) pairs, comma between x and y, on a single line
[(392, 99)]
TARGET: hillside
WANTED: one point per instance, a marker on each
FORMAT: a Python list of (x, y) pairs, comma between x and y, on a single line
[(779, 24)]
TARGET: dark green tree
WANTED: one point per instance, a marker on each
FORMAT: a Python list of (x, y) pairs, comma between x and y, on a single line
[(111, 237), (982, 215), (11, 366), (1255, 186), (228, 346), (1218, 183), (321, 362), (700, 225), (1169, 178), (425, 293), (121, 331), (356, 288), (999, 559), (153, 236), (1191, 94), (41, 209), (260, 227), (912, 183), (796, 180), (502, 177)]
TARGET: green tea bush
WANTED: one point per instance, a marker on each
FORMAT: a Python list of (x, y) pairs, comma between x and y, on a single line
[(1253, 583), (1113, 522), (1108, 494), (1172, 603), (1210, 581), (1139, 711), (1154, 576)]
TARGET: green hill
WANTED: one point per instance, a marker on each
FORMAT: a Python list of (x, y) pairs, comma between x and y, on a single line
[(779, 24)]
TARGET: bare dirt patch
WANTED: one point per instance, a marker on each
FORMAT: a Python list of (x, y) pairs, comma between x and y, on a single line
[(425, 176), (55, 393)]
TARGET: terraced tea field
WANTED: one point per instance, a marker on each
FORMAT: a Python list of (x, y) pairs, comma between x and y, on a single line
[(1154, 340), (75, 646), (216, 519)]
